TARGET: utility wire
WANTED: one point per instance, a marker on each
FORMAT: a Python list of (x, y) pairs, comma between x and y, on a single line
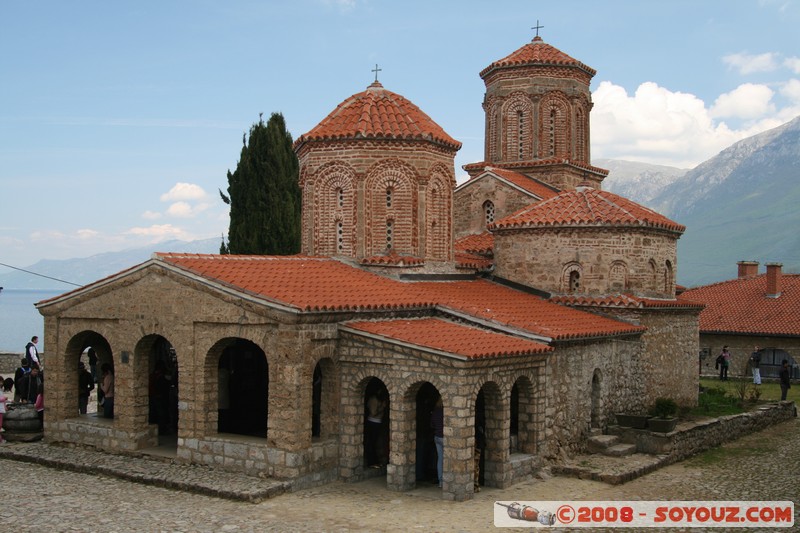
[(40, 275)]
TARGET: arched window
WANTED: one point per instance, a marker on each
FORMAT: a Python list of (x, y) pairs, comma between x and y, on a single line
[(668, 277), (339, 236), (521, 126), (574, 281), (488, 211), (552, 132), (389, 196), (340, 197), (618, 276)]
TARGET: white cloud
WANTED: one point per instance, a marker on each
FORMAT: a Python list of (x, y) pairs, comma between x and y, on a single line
[(655, 125), (151, 215), (159, 232), (186, 210), (749, 63), (793, 64), (748, 101), (86, 234), (184, 191)]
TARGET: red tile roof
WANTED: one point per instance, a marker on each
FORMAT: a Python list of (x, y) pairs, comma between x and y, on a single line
[(482, 244), (528, 184), (446, 336), (324, 284), (378, 114), (742, 306), (466, 260), (622, 300), (393, 259), (537, 52), (586, 206), (482, 165), (488, 301)]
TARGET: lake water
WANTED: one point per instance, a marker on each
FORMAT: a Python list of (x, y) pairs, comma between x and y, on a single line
[(19, 319)]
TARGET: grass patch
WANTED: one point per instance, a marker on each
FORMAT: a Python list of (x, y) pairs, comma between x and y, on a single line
[(717, 455), (770, 390), (716, 401)]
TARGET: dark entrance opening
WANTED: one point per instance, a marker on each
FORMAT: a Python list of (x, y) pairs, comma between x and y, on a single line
[(426, 447), (243, 390), (376, 424)]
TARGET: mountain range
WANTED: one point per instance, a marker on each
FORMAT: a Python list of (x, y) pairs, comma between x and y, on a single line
[(741, 204)]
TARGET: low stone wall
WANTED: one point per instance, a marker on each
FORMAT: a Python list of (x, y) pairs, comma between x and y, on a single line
[(101, 433), (690, 438)]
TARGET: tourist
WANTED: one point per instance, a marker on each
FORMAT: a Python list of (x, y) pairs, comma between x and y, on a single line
[(755, 362), (85, 387), (38, 404), (92, 363), (107, 386), (437, 423), (31, 353), (724, 360), (23, 370), (784, 375), (3, 400), (28, 386)]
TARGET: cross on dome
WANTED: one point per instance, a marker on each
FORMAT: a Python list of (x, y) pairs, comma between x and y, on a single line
[(537, 28), (376, 69)]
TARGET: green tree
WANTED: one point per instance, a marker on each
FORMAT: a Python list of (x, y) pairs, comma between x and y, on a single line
[(264, 193)]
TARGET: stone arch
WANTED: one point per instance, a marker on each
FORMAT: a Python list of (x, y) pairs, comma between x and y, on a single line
[(571, 278), (403, 181), (335, 203), (324, 380), (596, 412), (416, 445), (377, 424), (517, 118), (79, 344), (554, 126), (668, 277), (492, 141), (653, 268), (491, 448), (155, 370), (618, 276), (237, 381), (439, 214), (523, 416)]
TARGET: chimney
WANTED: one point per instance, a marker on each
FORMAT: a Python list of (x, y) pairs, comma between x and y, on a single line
[(748, 269), (774, 280)]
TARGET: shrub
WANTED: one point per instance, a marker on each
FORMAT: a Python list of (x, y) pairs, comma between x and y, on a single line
[(664, 408)]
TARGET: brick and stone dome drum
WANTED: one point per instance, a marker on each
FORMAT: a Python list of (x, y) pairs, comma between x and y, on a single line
[(378, 176)]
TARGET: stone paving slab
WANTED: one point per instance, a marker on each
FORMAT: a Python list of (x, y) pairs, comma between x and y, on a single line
[(149, 470), (613, 470)]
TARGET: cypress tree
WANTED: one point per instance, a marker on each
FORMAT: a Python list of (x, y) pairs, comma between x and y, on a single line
[(264, 193)]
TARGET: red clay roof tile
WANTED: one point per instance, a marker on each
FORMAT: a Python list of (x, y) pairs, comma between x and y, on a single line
[(586, 206), (481, 244), (622, 300), (528, 184), (325, 284), (742, 306), (446, 336), (378, 114), (537, 52), (482, 165)]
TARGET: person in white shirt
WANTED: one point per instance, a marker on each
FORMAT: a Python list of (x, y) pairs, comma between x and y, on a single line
[(32, 353)]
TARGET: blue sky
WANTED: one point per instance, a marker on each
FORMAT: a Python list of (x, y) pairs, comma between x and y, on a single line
[(119, 120)]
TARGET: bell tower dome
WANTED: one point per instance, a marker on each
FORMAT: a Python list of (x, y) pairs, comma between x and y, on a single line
[(537, 106)]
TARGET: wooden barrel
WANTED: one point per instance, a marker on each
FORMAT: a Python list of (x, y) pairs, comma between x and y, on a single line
[(21, 423)]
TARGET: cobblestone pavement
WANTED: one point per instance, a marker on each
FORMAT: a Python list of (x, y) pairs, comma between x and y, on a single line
[(762, 466)]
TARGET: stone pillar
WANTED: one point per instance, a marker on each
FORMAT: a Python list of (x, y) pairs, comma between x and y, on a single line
[(401, 473)]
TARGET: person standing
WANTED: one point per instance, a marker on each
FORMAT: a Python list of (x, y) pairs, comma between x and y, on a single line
[(3, 400), (85, 386), (92, 363), (22, 372), (437, 423), (32, 353), (784, 379), (755, 362), (28, 386), (724, 362), (107, 386)]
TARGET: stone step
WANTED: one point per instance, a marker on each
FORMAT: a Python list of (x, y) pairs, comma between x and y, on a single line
[(599, 443), (620, 450)]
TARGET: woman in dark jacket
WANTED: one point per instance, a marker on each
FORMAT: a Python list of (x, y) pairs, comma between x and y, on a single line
[(784, 375)]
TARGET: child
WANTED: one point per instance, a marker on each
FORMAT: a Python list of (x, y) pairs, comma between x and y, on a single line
[(3, 401)]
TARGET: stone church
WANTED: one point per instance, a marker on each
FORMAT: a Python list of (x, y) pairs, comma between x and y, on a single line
[(534, 304)]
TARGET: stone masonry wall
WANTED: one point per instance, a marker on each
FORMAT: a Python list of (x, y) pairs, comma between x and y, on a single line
[(469, 199), (541, 257), (741, 346), (576, 401)]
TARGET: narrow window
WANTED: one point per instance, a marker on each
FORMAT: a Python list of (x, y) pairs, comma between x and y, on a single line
[(389, 194), (389, 234), (340, 197), (339, 236), (520, 123), (488, 211), (574, 281)]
